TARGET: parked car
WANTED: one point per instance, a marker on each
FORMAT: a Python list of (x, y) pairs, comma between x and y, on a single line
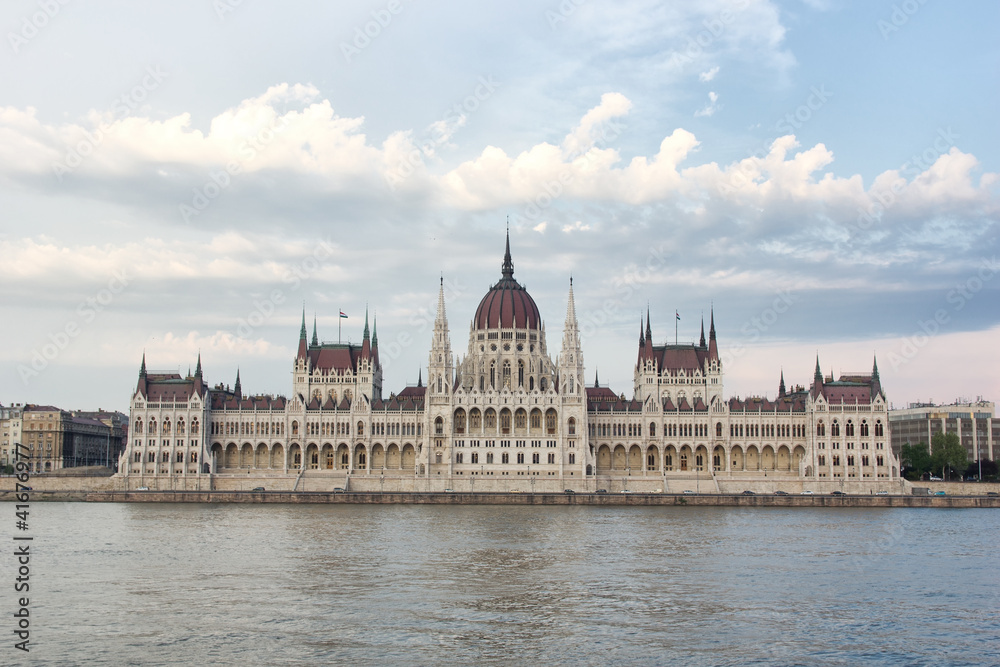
[(881, 493), (569, 491), (781, 493), (602, 490), (748, 492), (258, 488), (807, 492), (143, 488), (338, 489), (837, 493), (688, 491), (939, 493), (991, 493), (935, 479)]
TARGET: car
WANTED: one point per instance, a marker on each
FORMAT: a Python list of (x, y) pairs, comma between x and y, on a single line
[(569, 491), (837, 493), (338, 489), (748, 492), (939, 493), (449, 491), (881, 493), (258, 488), (807, 492), (991, 493), (935, 479), (626, 491), (688, 491), (602, 490), (781, 493), (143, 488)]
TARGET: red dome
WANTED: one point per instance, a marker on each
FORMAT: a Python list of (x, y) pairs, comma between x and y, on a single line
[(507, 305)]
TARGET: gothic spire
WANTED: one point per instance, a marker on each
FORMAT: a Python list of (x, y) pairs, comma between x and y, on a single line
[(142, 368), (237, 388), (315, 340), (875, 369), (597, 382), (508, 265), (420, 377), (649, 332), (781, 385), (701, 343), (197, 369)]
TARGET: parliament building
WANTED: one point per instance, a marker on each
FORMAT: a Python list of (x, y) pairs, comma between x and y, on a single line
[(507, 416)]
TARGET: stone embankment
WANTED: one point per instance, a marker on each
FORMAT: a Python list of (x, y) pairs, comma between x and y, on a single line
[(600, 499)]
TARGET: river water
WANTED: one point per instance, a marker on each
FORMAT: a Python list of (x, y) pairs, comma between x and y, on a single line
[(173, 584)]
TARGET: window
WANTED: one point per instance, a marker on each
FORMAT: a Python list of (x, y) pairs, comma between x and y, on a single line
[(571, 425), (572, 458), (552, 457), (475, 419), (459, 456), (459, 421), (864, 427), (550, 421), (536, 457), (835, 429), (849, 429), (505, 457), (505, 421), (474, 457), (438, 426)]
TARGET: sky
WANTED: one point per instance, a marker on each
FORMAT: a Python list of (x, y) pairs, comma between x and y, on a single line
[(188, 177)]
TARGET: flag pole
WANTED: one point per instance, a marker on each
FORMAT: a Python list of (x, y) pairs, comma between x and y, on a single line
[(677, 316), (339, 323)]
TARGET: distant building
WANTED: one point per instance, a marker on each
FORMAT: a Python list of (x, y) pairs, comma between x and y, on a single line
[(505, 415), (975, 424), (56, 439), (10, 432)]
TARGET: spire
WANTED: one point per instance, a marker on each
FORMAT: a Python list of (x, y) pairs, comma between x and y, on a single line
[(508, 265), (142, 368), (375, 330), (302, 336), (571, 307), (713, 346), (701, 343), (649, 332), (197, 370), (781, 385), (237, 388), (315, 340), (420, 377), (818, 375), (366, 345), (875, 369), (597, 382), (366, 335)]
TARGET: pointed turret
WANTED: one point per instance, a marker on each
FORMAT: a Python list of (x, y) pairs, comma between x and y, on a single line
[(375, 340), (648, 351), (366, 342), (642, 343), (315, 339), (876, 382), (713, 346), (238, 387), (140, 387), (420, 377), (597, 382), (440, 368), (701, 343), (781, 385), (303, 349), (142, 368), (571, 354), (197, 369), (875, 369)]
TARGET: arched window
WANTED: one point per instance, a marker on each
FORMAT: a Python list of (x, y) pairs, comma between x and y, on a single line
[(835, 429), (550, 421), (152, 426), (718, 429), (194, 426), (849, 429), (821, 429), (571, 426), (493, 375), (878, 428), (166, 426), (505, 421), (542, 384), (520, 374), (460, 421), (864, 427), (475, 419), (295, 428), (490, 419), (506, 374), (652, 430), (438, 426), (520, 419), (361, 429)]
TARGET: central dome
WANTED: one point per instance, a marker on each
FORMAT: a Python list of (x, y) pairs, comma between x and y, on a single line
[(507, 305)]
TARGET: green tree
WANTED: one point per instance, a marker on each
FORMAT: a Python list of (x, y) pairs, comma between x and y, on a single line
[(947, 454), (916, 460)]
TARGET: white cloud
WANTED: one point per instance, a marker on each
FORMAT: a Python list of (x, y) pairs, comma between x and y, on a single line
[(711, 107), (708, 75)]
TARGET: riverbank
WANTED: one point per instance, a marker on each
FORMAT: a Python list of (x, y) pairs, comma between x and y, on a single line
[(451, 498)]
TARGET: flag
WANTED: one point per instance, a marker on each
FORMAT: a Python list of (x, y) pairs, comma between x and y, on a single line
[(678, 315), (343, 314)]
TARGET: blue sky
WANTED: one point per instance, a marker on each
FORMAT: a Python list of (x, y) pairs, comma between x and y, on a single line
[(824, 173)]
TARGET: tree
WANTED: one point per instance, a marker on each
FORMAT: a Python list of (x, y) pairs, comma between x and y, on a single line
[(986, 467), (948, 454), (915, 460)]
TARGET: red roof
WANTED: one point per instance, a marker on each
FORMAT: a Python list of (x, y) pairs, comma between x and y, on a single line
[(507, 305)]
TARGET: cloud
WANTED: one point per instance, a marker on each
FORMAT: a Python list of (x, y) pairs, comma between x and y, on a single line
[(708, 75), (711, 107)]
